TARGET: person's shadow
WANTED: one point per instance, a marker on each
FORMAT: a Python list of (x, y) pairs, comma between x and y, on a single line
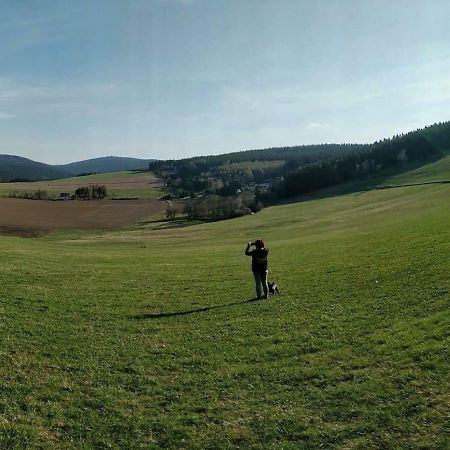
[(190, 311)]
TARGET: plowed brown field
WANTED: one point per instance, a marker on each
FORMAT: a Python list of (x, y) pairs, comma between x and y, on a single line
[(27, 216)]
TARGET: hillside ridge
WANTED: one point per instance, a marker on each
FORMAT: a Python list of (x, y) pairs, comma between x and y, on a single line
[(105, 164), (18, 168)]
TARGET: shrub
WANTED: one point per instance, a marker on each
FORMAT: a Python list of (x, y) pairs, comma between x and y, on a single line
[(39, 195), (92, 191)]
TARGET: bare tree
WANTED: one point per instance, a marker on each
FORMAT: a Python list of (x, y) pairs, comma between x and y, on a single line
[(171, 211)]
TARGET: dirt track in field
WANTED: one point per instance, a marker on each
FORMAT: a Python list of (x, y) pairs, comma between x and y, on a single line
[(28, 217)]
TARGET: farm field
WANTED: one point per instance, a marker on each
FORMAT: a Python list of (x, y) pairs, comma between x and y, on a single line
[(24, 216), (118, 184), (146, 338)]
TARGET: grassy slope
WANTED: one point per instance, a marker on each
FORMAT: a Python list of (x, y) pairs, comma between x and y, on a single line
[(352, 355), (436, 171)]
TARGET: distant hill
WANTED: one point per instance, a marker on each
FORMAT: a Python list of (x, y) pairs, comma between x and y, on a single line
[(295, 169), (16, 168), (103, 165)]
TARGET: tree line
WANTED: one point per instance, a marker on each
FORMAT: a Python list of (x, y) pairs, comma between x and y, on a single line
[(224, 174), (215, 207), (381, 156), (276, 173)]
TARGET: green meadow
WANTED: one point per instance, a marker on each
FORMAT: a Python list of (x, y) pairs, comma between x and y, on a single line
[(430, 173), (146, 338)]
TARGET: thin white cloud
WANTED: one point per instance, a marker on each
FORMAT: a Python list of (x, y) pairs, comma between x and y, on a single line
[(50, 98), (380, 96), (313, 125), (302, 97), (182, 2), (36, 27), (6, 115), (435, 91)]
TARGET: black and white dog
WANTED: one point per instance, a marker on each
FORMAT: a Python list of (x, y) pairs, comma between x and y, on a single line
[(273, 288)]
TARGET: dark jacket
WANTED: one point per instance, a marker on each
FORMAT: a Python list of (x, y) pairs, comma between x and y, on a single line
[(259, 259)]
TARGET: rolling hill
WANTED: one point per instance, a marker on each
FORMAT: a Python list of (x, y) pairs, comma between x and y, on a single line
[(18, 168), (104, 165), (23, 169)]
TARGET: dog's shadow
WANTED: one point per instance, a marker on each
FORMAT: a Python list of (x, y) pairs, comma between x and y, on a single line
[(190, 311)]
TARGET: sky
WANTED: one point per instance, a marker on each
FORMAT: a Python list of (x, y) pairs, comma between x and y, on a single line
[(170, 79)]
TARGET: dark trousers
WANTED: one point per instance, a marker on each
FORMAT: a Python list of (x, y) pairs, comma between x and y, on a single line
[(261, 283)]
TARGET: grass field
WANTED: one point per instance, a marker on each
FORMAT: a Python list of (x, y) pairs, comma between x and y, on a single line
[(119, 184), (150, 339), (436, 171)]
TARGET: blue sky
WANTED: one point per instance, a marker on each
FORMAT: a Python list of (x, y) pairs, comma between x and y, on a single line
[(177, 78)]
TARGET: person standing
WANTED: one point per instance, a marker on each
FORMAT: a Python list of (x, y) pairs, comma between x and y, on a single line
[(259, 267)]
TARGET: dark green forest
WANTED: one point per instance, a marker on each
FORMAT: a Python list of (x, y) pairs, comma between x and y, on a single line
[(273, 174), (225, 174)]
